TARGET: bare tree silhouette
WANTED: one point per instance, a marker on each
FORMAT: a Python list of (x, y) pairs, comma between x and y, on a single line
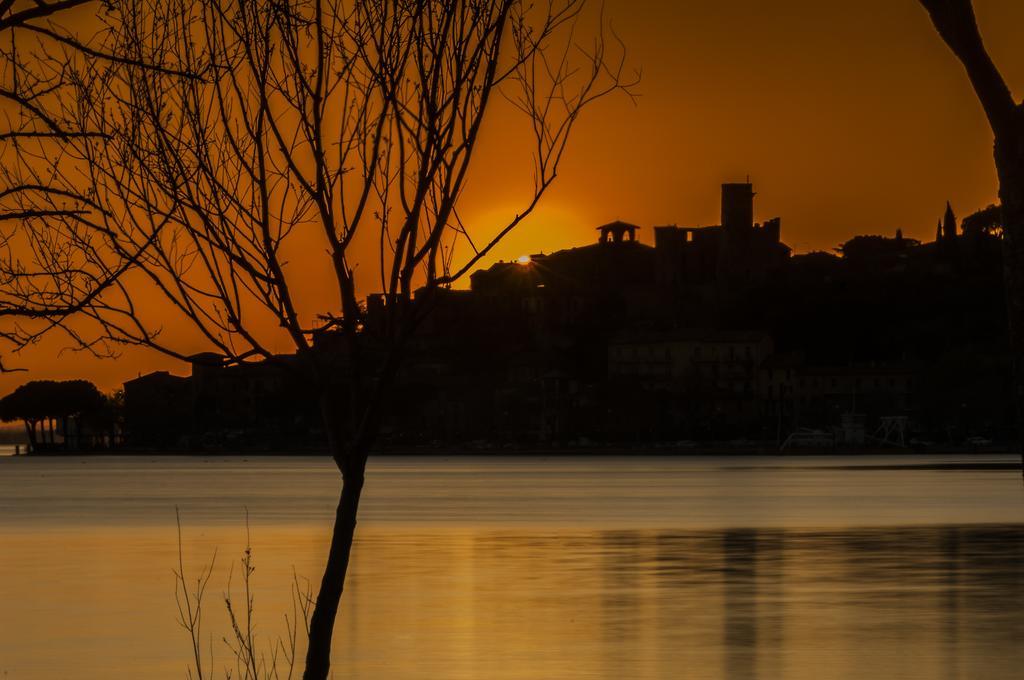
[(307, 129), (28, 86), (958, 27), (38, 53)]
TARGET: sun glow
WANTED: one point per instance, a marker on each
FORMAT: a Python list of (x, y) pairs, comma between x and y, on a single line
[(524, 260)]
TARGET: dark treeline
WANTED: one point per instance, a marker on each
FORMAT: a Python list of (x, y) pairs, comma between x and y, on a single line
[(65, 416)]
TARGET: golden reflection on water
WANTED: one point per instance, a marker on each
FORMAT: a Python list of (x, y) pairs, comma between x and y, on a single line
[(922, 603), (515, 569), (926, 602)]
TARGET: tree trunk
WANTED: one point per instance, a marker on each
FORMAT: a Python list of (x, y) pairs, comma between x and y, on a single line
[(1010, 164), (350, 455), (30, 430), (958, 27), (325, 611), (350, 450)]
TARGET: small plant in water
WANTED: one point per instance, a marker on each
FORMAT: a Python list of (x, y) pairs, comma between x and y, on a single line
[(249, 658)]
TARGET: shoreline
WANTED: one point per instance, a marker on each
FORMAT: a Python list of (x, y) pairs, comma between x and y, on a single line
[(547, 452)]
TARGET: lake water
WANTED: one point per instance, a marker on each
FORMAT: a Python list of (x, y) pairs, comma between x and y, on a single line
[(515, 568)]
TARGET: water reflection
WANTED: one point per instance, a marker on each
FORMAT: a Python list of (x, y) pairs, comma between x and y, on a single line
[(740, 581), (925, 602), (523, 570), (919, 602)]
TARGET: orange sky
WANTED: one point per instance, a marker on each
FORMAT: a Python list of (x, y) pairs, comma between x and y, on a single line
[(849, 118)]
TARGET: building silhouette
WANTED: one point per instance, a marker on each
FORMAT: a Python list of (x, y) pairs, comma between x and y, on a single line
[(713, 333)]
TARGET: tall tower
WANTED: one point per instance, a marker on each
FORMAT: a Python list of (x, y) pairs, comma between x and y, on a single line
[(737, 208), (737, 234)]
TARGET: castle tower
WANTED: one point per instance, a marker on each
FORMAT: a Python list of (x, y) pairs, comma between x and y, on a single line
[(737, 208)]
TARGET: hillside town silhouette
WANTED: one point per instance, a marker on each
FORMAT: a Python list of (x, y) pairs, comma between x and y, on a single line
[(713, 335)]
